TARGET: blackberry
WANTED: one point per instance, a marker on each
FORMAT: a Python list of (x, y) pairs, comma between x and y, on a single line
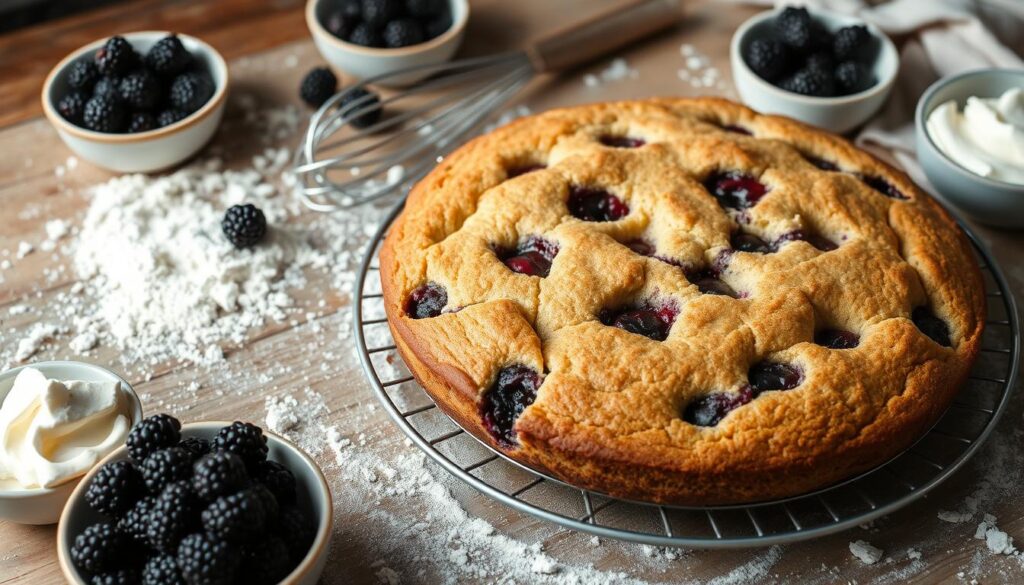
[(278, 479), (162, 569), (118, 577), (141, 122), (239, 517), (218, 474), (165, 467), (378, 12), (155, 432), (173, 515), (115, 488), (811, 82), (425, 8), (852, 43), (271, 508), (241, 438), (244, 226), (72, 106), (351, 8), (168, 117), (341, 25), (318, 86), (168, 57), (140, 89), (106, 86), (195, 446), (436, 27), (297, 532), (135, 522), (204, 560), (821, 62), (189, 91), (105, 114), (793, 26), (853, 77), (768, 58), (265, 562), (361, 100), (99, 548), (403, 33), (83, 75), (366, 36), (116, 57)]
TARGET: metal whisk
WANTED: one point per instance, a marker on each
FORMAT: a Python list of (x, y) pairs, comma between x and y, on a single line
[(340, 165)]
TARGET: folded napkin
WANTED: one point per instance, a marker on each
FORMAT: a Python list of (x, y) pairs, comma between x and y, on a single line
[(936, 38)]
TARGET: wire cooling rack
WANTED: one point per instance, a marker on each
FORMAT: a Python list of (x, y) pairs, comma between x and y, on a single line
[(907, 477)]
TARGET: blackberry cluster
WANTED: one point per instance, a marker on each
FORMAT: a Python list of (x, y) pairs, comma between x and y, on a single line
[(802, 56), (119, 90), (193, 512), (388, 24)]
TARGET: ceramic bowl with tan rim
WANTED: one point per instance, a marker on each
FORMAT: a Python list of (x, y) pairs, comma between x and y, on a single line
[(140, 152), (838, 114), (366, 62), (313, 496), (44, 505)]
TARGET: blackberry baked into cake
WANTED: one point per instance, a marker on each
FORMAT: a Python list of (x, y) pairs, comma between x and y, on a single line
[(682, 301)]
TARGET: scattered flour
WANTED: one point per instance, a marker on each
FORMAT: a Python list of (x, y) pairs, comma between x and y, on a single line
[(617, 70), (30, 344), (867, 554), (997, 541)]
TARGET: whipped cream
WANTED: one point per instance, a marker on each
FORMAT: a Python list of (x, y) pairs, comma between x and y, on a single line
[(987, 138), (53, 431)]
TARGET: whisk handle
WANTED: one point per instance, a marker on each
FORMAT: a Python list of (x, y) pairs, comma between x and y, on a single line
[(603, 33)]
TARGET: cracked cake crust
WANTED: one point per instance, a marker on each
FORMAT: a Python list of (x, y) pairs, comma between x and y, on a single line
[(855, 249)]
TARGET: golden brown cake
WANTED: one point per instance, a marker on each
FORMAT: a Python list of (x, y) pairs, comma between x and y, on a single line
[(682, 301)]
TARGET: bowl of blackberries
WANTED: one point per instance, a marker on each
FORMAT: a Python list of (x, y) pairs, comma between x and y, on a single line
[(137, 102), (824, 68), (211, 503), (366, 38)]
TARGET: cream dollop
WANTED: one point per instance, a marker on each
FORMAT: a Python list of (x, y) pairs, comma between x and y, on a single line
[(987, 138), (53, 431)]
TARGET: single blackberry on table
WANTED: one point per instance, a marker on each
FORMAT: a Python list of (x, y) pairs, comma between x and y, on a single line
[(100, 547), (297, 531), (813, 82), (241, 438), (168, 117), (72, 106), (318, 86), (852, 42), (204, 560), (265, 562), (403, 32), (189, 91), (118, 577), (135, 521), (239, 517), (367, 102), (106, 86), (436, 27), (366, 36), (218, 474), (83, 75), (175, 513), (271, 508), (378, 12), (278, 479), (244, 226), (195, 446), (140, 89), (168, 57), (162, 569), (116, 57), (425, 8), (165, 467), (141, 122), (793, 26), (768, 58), (115, 488), (105, 114), (153, 433)]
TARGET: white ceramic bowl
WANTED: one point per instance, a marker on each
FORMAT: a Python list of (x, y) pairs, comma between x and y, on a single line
[(365, 62), (836, 114), (986, 200), (141, 152), (44, 505), (314, 498)]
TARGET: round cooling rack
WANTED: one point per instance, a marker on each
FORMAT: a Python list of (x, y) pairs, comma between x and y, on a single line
[(935, 457)]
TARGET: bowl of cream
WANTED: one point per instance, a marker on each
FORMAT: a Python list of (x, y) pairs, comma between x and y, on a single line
[(970, 142), (57, 421)]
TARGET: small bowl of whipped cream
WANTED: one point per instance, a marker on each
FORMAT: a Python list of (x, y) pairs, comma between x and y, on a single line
[(970, 142), (57, 421)]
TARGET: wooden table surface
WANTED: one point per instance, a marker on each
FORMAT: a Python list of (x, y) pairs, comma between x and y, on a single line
[(269, 50)]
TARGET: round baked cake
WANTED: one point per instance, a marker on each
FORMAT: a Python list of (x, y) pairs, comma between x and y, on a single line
[(681, 300)]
